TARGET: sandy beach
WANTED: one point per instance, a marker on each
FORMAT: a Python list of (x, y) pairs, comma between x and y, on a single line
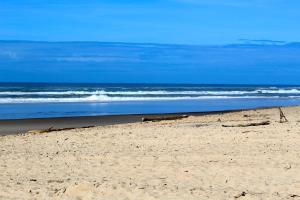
[(199, 157)]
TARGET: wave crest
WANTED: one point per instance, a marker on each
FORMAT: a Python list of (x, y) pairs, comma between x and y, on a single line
[(105, 98), (156, 92)]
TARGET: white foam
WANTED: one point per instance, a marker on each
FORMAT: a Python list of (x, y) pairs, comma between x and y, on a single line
[(105, 98), (157, 92), (279, 91)]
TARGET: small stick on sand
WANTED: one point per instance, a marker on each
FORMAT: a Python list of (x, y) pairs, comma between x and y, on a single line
[(283, 119), (51, 129), (157, 119), (249, 124)]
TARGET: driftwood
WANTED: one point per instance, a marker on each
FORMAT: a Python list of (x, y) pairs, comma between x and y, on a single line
[(283, 119), (249, 124), (51, 129), (157, 119)]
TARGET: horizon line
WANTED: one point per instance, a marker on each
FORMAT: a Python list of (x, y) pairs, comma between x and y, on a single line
[(212, 84), (254, 42)]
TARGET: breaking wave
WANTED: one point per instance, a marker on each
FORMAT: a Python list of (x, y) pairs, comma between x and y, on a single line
[(66, 93), (157, 92), (105, 98)]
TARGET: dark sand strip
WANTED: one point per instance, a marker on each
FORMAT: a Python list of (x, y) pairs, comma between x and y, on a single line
[(8, 127), (18, 126)]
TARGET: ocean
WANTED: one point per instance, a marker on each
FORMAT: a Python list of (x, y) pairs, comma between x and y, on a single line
[(45, 100)]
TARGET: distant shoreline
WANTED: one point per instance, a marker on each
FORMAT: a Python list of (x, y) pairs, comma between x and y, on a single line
[(20, 126)]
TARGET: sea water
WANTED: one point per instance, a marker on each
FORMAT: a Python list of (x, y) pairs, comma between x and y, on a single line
[(43, 100)]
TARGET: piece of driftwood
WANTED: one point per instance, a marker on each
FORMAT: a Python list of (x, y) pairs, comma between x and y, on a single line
[(157, 119), (249, 124), (283, 119), (51, 129)]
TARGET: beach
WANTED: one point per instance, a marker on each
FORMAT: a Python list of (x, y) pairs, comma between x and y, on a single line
[(232, 155)]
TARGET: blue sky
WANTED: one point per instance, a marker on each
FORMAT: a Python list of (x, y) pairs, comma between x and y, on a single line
[(193, 22), (156, 21), (148, 63)]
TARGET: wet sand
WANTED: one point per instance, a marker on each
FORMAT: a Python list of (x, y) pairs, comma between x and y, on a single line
[(192, 158), (19, 126)]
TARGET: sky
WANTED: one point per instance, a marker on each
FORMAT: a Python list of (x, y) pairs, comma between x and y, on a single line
[(95, 62), (210, 24), (150, 21)]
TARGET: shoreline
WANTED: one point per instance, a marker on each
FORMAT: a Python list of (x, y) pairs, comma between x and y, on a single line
[(21, 126)]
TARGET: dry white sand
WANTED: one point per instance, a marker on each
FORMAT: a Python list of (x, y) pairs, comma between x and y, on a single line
[(193, 158)]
